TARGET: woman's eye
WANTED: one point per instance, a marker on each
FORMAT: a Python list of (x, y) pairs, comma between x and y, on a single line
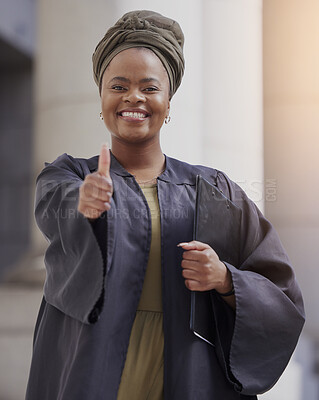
[(118, 87), (151, 89)]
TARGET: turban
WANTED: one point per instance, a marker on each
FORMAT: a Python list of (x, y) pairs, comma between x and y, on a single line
[(147, 29)]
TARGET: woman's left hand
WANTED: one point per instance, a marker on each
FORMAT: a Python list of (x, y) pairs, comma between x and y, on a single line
[(203, 270)]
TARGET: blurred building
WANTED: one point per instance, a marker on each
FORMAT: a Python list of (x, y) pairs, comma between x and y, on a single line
[(17, 49), (248, 105)]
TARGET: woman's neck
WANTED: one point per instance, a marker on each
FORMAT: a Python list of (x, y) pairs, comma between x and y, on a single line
[(144, 161)]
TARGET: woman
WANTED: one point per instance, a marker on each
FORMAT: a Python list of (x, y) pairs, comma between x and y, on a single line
[(122, 268)]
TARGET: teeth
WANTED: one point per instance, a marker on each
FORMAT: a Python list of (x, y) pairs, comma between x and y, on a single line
[(133, 114)]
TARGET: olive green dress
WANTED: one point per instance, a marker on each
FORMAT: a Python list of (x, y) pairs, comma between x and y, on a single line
[(142, 377)]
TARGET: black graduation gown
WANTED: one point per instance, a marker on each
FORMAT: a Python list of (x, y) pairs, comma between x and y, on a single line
[(94, 280)]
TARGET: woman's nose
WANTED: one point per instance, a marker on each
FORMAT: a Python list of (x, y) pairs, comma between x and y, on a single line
[(134, 96)]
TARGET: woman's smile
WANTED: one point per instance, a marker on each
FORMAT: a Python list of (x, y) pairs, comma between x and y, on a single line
[(134, 115)]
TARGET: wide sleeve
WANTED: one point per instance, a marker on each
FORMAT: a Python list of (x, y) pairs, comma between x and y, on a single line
[(75, 264), (255, 343)]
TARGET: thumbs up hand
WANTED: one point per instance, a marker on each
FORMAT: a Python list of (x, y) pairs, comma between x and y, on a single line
[(97, 188)]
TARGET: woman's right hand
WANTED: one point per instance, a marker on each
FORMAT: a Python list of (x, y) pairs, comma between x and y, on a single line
[(97, 188)]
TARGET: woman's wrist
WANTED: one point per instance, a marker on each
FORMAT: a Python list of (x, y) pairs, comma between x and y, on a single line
[(231, 292), (227, 289)]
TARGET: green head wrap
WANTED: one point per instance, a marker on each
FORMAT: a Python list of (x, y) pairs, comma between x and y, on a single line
[(147, 29)]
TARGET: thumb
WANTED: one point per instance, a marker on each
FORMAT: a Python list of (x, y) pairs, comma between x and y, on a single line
[(104, 161)]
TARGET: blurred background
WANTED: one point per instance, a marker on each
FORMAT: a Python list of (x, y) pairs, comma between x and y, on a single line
[(248, 105)]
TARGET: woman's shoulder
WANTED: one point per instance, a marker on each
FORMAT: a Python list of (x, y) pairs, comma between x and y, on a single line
[(67, 160), (68, 163), (184, 172)]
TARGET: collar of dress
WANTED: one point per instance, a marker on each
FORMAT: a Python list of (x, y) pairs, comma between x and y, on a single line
[(176, 171)]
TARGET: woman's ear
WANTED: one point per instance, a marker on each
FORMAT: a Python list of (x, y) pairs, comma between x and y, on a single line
[(168, 117)]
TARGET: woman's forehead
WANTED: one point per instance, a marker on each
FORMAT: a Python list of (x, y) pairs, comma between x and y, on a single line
[(137, 63)]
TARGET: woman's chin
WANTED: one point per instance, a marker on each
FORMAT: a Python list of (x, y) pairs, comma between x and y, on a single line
[(134, 137)]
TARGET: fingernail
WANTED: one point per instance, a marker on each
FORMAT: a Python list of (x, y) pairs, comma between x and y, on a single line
[(182, 244)]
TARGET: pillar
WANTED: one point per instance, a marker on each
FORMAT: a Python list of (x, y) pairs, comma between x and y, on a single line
[(232, 109), (291, 120)]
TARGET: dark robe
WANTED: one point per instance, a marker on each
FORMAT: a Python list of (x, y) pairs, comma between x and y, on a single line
[(95, 275)]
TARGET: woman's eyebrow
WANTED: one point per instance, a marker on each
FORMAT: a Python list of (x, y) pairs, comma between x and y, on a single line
[(146, 80), (120, 78)]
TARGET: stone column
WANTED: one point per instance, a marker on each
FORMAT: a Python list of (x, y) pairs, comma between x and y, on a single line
[(291, 136), (291, 125), (232, 91), (67, 100)]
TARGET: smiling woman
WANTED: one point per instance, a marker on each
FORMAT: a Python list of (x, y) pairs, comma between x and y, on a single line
[(133, 307)]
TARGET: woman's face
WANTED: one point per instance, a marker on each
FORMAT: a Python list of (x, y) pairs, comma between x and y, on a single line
[(135, 96)]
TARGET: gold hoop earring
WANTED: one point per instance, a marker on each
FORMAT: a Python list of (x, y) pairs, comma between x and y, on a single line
[(101, 116), (167, 119)]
